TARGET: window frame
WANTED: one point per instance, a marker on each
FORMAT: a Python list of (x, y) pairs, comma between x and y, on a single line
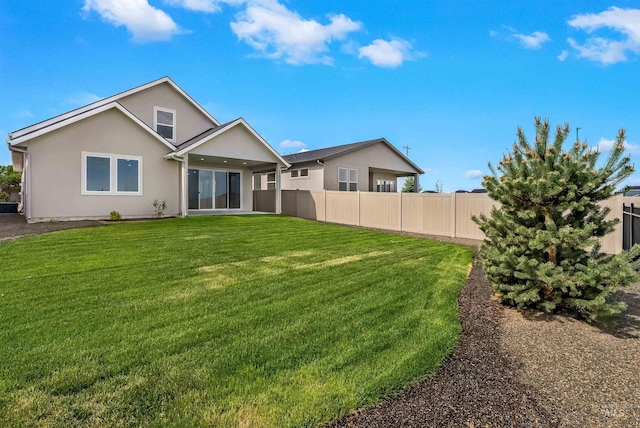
[(113, 175), (349, 182), (157, 109), (269, 182)]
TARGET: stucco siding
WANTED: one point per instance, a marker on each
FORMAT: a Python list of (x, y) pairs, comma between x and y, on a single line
[(314, 181), (236, 143), (56, 170), (189, 120)]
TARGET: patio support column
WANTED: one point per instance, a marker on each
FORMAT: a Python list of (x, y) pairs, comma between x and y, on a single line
[(278, 190), (416, 183), (184, 202)]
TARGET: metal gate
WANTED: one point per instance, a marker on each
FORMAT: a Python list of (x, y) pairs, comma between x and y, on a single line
[(630, 226)]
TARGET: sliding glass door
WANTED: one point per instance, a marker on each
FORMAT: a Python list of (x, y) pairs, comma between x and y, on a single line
[(214, 189)]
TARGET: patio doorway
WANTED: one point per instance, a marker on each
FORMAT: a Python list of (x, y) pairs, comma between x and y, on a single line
[(214, 190)]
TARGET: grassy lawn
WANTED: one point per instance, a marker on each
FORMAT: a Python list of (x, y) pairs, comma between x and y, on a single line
[(219, 321)]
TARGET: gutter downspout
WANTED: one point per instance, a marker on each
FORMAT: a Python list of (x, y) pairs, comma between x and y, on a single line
[(26, 180)]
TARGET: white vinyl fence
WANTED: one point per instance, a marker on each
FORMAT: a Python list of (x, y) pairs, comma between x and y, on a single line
[(443, 214)]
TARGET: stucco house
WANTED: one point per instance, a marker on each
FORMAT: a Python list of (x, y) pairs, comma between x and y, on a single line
[(152, 142), (368, 166)]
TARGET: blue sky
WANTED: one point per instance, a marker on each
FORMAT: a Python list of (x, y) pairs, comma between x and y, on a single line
[(450, 79)]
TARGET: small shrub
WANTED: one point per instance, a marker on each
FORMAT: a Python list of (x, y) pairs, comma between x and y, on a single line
[(115, 216), (159, 207), (4, 196)]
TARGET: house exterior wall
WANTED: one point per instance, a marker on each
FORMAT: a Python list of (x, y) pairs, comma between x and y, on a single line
[(236, 143), (56, 170), (189, 120), (314, 181), (374, 156)]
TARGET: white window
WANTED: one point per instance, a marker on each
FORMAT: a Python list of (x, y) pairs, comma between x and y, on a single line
[(271, 180), (164, 122), (347, 179), (108, 174), (257, 181), (300, 173), (385, 186)]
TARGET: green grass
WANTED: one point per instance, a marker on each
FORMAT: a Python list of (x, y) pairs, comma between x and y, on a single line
[(219, 321)]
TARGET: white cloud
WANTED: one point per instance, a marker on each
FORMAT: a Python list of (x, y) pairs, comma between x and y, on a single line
[(533, 41), (563, 55), (431, 171), (303, 150), (605, 145), (289, 144), (603, 49), (389, 54), (473, 174), (143, 21), (82, 98), (276, 32), (22, 114)]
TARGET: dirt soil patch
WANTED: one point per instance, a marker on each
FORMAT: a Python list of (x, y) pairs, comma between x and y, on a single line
[(13, 226)]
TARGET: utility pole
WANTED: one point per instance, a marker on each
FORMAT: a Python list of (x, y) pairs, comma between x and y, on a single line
[(577, 134), (407, 149)]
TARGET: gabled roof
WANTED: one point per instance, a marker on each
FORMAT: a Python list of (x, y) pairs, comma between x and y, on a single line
[(332, 152), (88, 113), (100, 103), (211, 133)]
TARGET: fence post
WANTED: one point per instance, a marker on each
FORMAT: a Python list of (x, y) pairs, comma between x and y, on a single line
[(453, 215), (359, 215), (400, 210)]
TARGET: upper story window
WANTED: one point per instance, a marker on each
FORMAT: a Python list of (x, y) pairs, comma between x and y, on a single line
[(108, 174), (164, 122), (347, 179)]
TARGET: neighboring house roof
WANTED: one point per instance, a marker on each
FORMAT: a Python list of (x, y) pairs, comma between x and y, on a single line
[(211, 133), (85, 114), (331, 152), (479, 191), (100, 103), (632, 191)]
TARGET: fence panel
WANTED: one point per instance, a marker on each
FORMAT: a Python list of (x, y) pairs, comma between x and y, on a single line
[(380, 210), (264, 201), (342, 207), (467, 205), (431, 214), (428, 213), (310, 205)]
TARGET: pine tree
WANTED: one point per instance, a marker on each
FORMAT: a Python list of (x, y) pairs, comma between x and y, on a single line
[(409, 184), (541, 248)]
